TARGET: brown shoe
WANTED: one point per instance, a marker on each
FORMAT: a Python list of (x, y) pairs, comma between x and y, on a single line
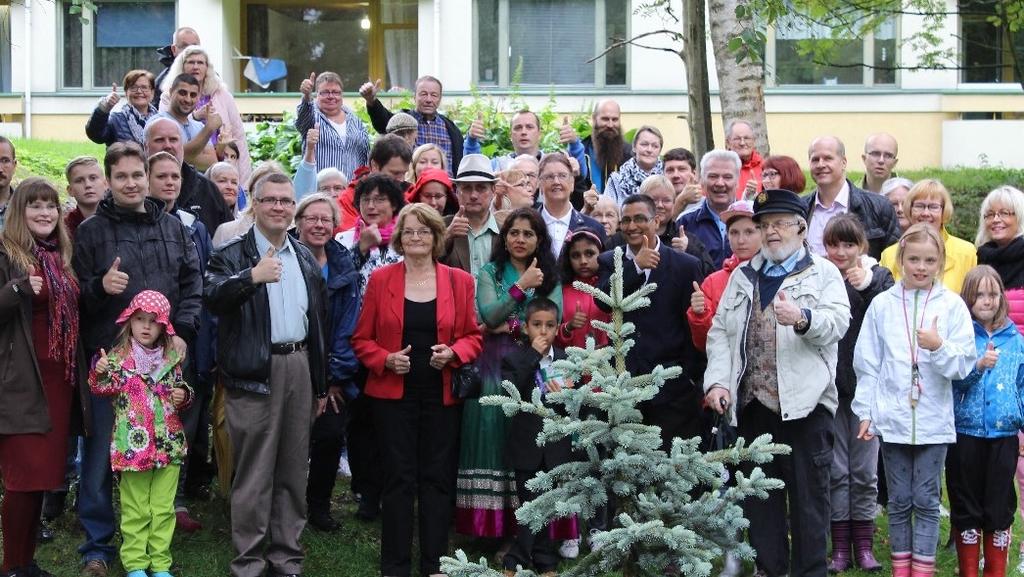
[(95, 568)]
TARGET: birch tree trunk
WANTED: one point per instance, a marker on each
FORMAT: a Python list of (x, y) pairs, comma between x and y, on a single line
[(740, 84), (698, 89)]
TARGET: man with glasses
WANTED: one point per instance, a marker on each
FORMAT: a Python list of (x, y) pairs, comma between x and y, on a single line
[(719, 177), (739, 138), (835, 195), (772, 355), (343, 141), (8, 163), (472, 231), (272, 359), (879, 158), (662, 332)]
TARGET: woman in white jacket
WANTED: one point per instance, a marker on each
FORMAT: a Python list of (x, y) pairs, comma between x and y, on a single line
[(917, 337)]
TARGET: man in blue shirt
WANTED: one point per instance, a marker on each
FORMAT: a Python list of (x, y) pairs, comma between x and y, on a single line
[(719, 177)]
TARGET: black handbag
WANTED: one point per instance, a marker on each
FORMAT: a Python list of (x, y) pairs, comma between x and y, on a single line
[(721, 435), (466, 381)]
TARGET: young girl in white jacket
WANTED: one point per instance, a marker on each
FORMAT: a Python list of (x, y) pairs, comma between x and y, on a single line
[(917, 337)]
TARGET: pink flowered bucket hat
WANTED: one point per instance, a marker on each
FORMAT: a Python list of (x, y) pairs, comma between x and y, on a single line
[(150, 301)]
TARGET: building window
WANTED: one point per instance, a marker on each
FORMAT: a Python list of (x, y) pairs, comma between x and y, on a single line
[(356, 40), (114, 38), (987, 50), (543, 42), (869, 60)]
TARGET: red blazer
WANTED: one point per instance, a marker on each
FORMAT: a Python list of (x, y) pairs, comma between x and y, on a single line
[(379, 329)]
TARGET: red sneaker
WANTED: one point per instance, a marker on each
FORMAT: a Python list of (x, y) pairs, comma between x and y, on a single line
[(185, 523)]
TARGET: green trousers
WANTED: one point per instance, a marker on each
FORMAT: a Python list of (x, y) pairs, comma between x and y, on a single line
[(147, 518)]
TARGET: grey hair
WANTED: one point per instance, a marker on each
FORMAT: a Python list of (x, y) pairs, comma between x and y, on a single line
[(273, 177), (1007, 196), (726, 155), (307, 200), (656, 181), (219, 167), (732, 124), (329, 173), (895, 182)]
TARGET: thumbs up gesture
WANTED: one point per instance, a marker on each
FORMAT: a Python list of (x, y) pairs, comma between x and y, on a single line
[(35, 281), (369, 237), (697, 301), (532, 277), (268, 270), (111, 99), (989, 359), (102, 363), (213, 118), (115, 281), (369, 91), (566, 133), (459, 226), (648, 258), (929, 338), (855, 275), (398, 361), (312, 138), (307, 86), (579, 317), (787, 313), (680, 242), (476, 130), (590, 198)]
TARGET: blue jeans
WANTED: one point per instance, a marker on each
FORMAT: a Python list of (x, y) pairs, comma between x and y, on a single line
[(95, 498), (913, 473)]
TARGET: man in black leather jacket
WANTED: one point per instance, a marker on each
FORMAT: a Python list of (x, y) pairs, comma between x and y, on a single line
[(270, 297)]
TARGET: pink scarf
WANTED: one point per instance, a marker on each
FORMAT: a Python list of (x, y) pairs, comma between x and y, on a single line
[(147, 360), (385, 231)]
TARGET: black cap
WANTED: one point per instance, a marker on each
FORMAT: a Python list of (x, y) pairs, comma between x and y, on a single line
[(778, 201)]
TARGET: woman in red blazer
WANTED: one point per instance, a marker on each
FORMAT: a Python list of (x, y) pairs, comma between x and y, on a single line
[(417, 324)]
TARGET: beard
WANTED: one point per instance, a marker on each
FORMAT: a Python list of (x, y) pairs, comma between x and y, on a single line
[(783, 251), (608, 149)]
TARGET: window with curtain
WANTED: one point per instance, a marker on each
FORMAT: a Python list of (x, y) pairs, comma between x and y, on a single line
[(987, 51), (853, 61), (548, 42), (114, 38)]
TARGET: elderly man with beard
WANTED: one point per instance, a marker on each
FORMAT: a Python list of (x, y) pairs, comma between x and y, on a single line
[(772, 353), (719, 177), (605, 146)]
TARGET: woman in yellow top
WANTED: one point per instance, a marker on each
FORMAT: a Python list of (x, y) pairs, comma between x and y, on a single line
[(929, 201)]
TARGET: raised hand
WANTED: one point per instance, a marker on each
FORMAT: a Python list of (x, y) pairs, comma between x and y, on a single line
[(787, 313), (398, 361), (648, 258), (681, 241), (459, 226), (989, 359), (476, 130), (35, 281), (199, 114), (111, 99), (312, 138), (213, 118), (566, 133), (855, 275), (369, 237), (697, 300), (307, 86), (929, 338), (532, 277), (115, 281), (750, 189), (102, 363), (369, 91), (590, 198), (579, 317), (269, 269)]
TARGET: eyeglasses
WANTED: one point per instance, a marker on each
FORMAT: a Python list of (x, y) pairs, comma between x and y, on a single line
[(769, 173), (557, 176), (374, 200), (330, 93), (416, 233), (638, 220), (1002, 214), (878, 155), (926, 207), (138, 89), (777, 225), (275, 201), (315, 220), (742, 139)]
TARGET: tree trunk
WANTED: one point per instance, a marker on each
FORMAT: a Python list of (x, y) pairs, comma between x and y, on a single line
[(698, 88), (740, 84)]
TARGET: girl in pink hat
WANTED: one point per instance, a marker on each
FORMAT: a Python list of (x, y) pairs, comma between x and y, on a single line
[(148, 443)]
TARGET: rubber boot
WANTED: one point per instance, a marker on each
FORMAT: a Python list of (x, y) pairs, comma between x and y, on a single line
[(863, 539), (922, 567), (840, 547), (900, 564), (997, 549), (968, 548)]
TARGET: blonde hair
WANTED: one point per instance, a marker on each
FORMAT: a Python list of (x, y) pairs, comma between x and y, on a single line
[(307, 200), (411, 175), (1008, 197), (921, 232), (429, 217), (17, 241), (212, 83), (930, 188), (972, 286)]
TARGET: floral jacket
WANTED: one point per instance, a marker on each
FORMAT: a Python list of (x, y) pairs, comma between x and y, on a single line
[(147, 431)]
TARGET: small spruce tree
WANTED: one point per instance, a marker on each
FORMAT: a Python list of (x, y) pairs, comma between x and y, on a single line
[(674, 509)]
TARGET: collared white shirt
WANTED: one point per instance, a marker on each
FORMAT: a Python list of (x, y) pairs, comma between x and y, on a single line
[(822, 214), (558, 228), (631, 256)]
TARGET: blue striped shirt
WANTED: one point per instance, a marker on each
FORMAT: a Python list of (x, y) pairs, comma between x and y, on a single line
[(345, 152)]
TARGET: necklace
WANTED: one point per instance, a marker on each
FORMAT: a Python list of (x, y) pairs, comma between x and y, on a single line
[(421, 282)]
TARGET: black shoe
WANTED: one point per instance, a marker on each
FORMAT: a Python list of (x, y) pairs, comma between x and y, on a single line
[(368, 510), (46, 531), (33, 570), (324, 522), (53, 504)]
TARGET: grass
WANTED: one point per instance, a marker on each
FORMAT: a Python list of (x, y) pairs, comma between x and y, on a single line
[(352, 552), (47, 158)]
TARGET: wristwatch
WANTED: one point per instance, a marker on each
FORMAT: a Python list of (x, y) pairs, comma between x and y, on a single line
[(801, 325)]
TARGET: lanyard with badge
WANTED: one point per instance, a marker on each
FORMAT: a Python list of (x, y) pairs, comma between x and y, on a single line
[(915, 370)]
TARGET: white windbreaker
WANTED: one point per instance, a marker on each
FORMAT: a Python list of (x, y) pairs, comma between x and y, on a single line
[(882, 362)]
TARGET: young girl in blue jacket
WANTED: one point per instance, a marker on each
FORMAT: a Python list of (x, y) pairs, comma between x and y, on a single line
[(987, 408)]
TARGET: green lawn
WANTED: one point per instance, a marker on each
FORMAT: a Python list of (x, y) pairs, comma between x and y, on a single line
[(47, 158), (352, 552)]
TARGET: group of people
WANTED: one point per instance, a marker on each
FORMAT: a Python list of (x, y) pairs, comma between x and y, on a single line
[(319, 320)]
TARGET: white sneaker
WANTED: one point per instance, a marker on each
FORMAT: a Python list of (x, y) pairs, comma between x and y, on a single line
[(570, 549), (731, 567), (343, 469)]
